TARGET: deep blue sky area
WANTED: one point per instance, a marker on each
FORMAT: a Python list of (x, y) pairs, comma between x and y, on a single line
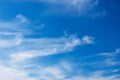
[(60, 39)]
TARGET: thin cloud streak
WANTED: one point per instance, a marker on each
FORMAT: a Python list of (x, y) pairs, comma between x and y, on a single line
[(48, 46), (40, 46)]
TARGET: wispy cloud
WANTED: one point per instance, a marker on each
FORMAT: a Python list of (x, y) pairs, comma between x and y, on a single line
[(48, 46), (17, 49), (110, 60), (13, 31), (20, 25), (80, 6), (59, 71), (87, 8), (14, 26), (5, 43), (88, 39), (54, 72), (8, 73), (83, 8), (13, 36), (20, 51)]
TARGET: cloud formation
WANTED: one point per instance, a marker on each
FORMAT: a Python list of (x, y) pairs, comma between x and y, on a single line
[(15, 49), (13, 36), (48, 46), (18, 52)]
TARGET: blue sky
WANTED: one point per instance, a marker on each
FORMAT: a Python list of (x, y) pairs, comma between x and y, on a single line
[(59, 40)]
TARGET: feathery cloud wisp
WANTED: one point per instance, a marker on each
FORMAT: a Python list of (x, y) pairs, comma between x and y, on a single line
[(40, 46), (48, 46)]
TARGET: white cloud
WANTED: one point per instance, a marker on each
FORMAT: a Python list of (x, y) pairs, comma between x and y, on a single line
[(111, 58), (12, 36), (59, 71), (5, 43), (12, 27), (8, 73), (20, 25), (84, 8), (13, 31), (111, 54), (81, 5), (22, 19), (18, 49), (48, 46), (52, 73), (88, 39), (55, 72)]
